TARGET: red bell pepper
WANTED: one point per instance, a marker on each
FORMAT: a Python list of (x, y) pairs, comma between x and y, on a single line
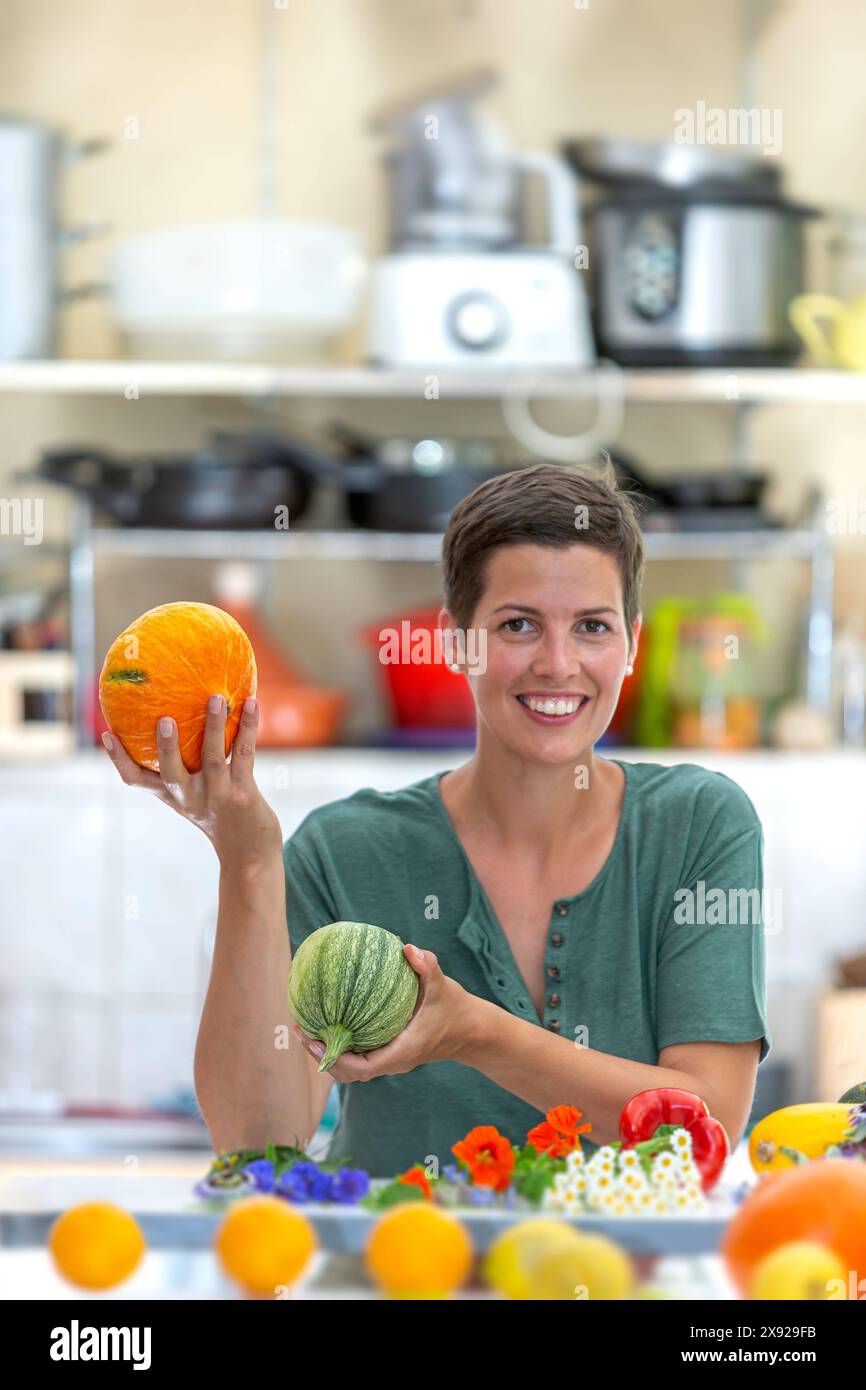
[(667, 1106)]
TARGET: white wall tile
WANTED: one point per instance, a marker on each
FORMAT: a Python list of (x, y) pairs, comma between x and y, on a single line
[(157, 1049)]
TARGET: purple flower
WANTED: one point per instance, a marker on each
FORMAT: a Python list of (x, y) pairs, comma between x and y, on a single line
[(453, 1173), (305, 1182), (261, 1172), (480, 1196), (292, 1186), (349, 1185), (215, 1186)]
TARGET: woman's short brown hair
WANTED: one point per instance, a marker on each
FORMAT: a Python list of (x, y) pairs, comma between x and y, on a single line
[(545, 504)]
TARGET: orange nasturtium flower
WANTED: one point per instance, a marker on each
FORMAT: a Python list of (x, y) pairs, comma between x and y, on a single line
[(416, 1177), (488, 1155), (560, 1133)]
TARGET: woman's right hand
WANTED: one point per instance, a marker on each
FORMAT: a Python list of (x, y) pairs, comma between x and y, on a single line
[(222, 799)]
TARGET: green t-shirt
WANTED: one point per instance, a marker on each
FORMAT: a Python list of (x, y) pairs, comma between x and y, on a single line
[(625, 974)]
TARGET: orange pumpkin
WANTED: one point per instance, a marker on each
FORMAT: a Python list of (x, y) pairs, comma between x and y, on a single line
[(168, 662), (824, 1201)]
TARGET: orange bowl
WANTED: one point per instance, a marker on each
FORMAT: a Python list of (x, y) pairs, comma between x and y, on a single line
[(298, 716)]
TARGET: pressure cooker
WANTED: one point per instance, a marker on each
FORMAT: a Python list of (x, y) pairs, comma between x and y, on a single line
[(697, 272)]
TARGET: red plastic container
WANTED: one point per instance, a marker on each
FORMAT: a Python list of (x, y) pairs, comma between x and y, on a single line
[(423, 695)]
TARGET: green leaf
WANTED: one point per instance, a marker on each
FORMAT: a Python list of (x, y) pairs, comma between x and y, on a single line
[(392, 1195), (534, 1172)]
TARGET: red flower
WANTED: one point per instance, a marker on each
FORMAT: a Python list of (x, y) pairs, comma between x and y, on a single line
[(488, 1156), (560, 1133), (416, 1177)]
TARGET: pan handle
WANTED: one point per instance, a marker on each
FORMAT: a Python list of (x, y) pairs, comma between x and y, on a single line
[(84, 469)]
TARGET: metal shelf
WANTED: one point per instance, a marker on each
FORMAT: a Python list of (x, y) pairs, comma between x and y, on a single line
[(417, 546), (664, 386)]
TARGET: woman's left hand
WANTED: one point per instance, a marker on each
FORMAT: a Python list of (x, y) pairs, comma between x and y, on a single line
[(435, 1032)]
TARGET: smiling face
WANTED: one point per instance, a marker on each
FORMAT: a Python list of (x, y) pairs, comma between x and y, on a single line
[(557, 648)]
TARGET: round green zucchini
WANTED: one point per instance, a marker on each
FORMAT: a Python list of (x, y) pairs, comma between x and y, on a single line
[(351, 987)]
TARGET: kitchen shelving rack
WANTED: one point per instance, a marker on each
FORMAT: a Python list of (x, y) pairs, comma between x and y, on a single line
[(265, 383), (810, 543)]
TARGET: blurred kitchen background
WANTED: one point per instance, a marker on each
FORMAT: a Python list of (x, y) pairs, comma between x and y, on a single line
[(280, 283)]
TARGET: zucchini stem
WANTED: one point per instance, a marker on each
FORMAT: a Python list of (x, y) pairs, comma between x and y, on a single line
[(337, 1040)]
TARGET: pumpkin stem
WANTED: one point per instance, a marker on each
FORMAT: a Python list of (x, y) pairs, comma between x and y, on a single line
[(337, 1039), (128, 675)]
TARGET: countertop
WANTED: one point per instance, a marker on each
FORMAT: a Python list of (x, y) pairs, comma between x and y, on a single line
[(324, 767)]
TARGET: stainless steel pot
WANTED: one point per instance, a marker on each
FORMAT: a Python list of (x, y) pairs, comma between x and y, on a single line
[(411, 484), (32, 157)]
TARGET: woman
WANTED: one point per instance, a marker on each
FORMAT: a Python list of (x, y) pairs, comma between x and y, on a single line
[(552, 902)]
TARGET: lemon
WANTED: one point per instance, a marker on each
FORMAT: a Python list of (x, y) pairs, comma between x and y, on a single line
[(800, 1269), (590, 1267), (96, 1245), (416, 1250), (507, 1263), (263, 1243)]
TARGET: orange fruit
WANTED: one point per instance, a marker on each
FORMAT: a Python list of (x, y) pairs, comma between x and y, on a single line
[(96, 1244), (822, 1201), (418, 1251), (263, 1243), (168, 662)]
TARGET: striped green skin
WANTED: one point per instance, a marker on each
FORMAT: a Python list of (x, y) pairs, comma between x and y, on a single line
[(352, 987)]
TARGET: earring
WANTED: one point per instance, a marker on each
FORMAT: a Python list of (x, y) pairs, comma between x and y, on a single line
[(629, 670)]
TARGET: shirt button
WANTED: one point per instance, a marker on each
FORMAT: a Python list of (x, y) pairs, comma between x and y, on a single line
[(553, 1000), (557, 939), (553, 972), (562, 909), (553, 1025)]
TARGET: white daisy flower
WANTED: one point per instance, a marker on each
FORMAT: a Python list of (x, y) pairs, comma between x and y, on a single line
[(663, 1160), (602, 1182), (632, 1179)]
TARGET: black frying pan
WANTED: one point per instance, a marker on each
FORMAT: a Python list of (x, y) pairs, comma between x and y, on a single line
[(236, 483), (693, 491)]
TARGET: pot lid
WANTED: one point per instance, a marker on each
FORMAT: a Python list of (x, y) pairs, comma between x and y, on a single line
[(616, 161)]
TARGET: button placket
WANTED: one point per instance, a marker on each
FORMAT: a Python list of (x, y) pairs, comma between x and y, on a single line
[(553, 970)]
